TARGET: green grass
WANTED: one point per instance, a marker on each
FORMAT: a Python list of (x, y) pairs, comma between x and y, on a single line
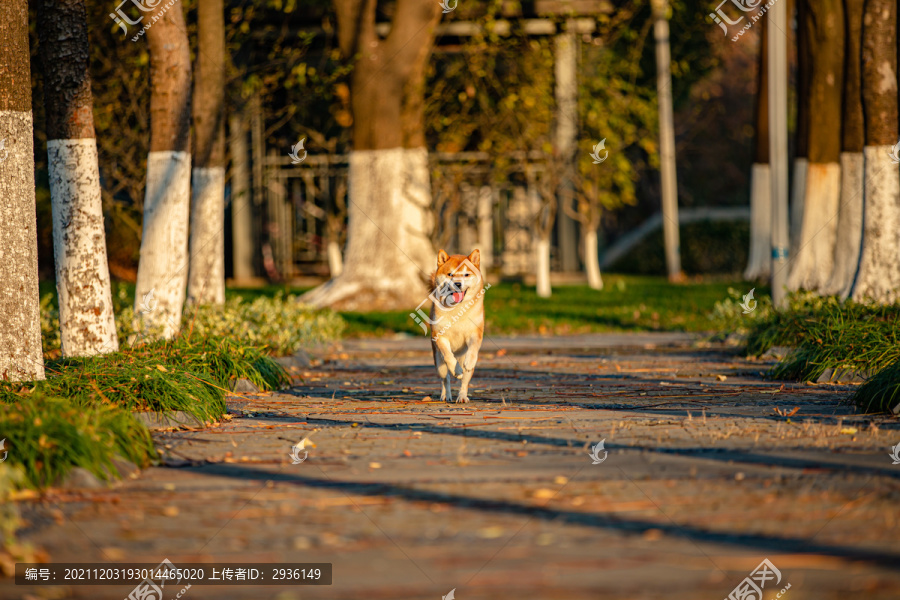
[(627, 303), (827, 334), (881, 393), (48, 436), (189, 374)]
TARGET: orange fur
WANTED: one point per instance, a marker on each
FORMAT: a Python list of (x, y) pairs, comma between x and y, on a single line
[(457, 319)]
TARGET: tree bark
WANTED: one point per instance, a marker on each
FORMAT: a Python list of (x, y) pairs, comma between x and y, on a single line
[(86, 319), (850, 217), (759, 265), (21, 358), (668, 178), (206, 276), (801, 155), (241, 204), (878, 275), (813, 262), (388, 255), (163, 266)]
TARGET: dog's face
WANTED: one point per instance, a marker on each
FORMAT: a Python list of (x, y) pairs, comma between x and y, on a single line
[(455, 276)]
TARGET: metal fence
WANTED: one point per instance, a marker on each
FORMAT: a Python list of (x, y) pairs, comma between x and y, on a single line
[(472, 207)]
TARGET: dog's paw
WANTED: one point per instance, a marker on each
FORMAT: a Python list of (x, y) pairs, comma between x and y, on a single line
[(462, 400), (458, 371)]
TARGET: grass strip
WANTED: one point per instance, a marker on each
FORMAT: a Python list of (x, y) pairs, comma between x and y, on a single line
[(881, 393), (48, 436)]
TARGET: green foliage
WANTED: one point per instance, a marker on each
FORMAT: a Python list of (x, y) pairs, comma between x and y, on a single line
[(880, 393), (47, 436), (273, 323), (279, 324), (827, 334)]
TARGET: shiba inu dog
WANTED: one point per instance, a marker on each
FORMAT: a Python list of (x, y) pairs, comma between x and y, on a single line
[(457, 319)]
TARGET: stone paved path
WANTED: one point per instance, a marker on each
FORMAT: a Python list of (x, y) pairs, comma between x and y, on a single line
[(410, 498)]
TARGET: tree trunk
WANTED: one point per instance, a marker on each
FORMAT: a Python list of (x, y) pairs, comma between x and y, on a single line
[(542, 249), (850, 217), (813, 262), (388, 255), (335, 259), (759, 265), (87, 323), (163, 267), (21, 358), (878, 275), (668, 180), (801, 162), (206, 275), (241, 203), (592, 259)]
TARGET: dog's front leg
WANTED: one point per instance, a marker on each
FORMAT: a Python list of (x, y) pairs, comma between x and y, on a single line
[(449, 359), (472, 347)]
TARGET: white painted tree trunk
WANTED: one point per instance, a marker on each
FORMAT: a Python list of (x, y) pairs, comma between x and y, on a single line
[(388, 256), (21, 357), (162, 271), (206, 274), (798, 198), (759, 264), (850, 223), (592, 260), (542, 247), (86, 320), (878, 277), (335, 260), (814, 261)]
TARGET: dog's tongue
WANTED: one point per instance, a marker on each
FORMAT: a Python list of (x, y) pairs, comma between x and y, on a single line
[(457, 297)]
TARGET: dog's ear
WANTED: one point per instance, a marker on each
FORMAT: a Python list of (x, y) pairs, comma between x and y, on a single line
[(442, 257), (475, 257)]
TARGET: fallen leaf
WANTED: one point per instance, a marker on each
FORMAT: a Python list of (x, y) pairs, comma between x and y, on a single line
[(374, 465), (720, 378), (162, 368), (849, 430)]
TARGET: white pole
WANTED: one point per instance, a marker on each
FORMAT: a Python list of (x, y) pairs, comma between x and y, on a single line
[(666, 140), (778, 148)]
